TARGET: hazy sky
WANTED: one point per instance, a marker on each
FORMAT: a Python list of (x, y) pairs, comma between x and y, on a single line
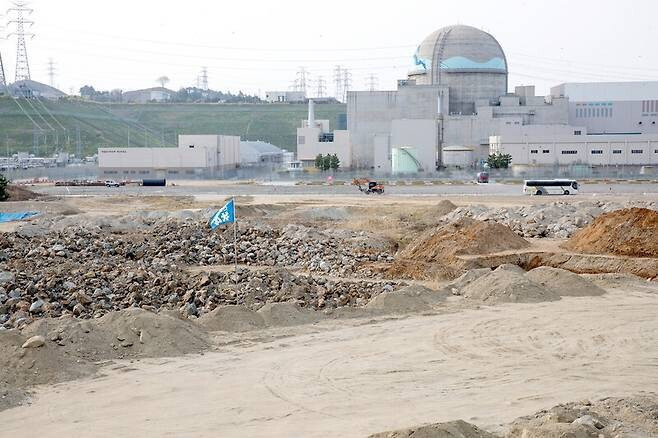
[(259, 45)]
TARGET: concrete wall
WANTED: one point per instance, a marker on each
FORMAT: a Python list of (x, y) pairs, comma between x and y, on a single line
[(371, 113), (616, 117)]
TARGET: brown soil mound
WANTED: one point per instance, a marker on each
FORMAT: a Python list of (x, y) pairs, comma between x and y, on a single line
[(564, 283), (508, 284), (18, 193), (463, 237), (453, 429), (630, 232)]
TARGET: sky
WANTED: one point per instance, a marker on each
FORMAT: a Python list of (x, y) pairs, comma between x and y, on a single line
[(256, 46)]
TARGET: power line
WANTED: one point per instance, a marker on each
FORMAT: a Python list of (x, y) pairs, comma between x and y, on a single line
[(19, 10)]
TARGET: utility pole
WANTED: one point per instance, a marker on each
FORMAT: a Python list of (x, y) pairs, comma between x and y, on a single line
[(51, 72), (322, 88), (372, 82), (18, 11), (3, 77), (338, 79)]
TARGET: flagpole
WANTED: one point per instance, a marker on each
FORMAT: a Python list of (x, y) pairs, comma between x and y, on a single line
[(235, 244)]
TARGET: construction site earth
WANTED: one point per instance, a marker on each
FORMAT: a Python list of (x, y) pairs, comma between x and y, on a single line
[(431, 311)]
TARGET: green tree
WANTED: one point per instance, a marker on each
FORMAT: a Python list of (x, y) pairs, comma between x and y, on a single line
[(326, 162), (4, 191), (334, 162), (499, 161), (319, 162)]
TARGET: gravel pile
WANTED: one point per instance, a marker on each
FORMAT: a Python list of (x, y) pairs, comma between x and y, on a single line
[(90, 272), (558, 220)]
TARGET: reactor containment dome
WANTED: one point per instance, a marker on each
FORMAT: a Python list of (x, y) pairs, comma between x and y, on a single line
[(468, 61)]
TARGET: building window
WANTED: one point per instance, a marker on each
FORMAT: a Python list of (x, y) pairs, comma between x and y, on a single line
[(189, 172), (144, 172), (301, 140), (616, 151), (546, 151), (637, 151), (534, 151), (577, 133), (597, 152), (655, 151), (569, 152), (172, 172), (610, 113)]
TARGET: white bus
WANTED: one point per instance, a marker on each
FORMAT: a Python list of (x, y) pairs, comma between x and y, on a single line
[(550, 187)]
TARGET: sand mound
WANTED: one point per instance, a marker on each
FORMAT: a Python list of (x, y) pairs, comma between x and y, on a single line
[(453, 429), (630, 232), (442, 208), (287, 315), (410, 299), (128, 333), (456, 286), (463, 237), (508, 284), (635, 416), (564, 283), (232, 319)]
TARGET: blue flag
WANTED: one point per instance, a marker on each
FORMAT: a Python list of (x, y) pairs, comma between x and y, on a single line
[(224, 216)]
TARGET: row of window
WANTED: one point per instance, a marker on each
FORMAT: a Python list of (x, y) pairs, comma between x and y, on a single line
[(605, 112), (593, 151), (650, 106)]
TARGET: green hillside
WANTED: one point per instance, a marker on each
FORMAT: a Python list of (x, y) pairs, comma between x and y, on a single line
[(108, 125)]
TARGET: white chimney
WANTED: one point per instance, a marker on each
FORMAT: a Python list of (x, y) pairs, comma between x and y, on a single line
[(311, 113)]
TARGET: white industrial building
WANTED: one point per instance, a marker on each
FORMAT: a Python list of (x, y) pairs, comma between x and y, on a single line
[(315, 138), (208, 156), (454, 109)]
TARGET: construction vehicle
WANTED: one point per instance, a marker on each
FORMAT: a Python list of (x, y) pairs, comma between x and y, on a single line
[(366, 186)]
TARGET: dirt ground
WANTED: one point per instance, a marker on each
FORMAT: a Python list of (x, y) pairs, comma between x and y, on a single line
[(420, 357), (350, 379)]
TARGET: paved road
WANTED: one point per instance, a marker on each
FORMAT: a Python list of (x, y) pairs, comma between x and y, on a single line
[(248, 189)]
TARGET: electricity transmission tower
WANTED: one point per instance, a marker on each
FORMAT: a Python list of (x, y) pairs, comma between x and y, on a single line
[(338, 79), (204, 78), (51, 72), (302, 80), (322, 88), (347, 83), (18, 13), (3, 77), (372, 82)]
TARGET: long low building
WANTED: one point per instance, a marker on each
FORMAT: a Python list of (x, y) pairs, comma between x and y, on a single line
[(197, 156), (569, 149)]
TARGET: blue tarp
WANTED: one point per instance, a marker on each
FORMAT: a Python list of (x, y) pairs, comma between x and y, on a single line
[(11, 217)]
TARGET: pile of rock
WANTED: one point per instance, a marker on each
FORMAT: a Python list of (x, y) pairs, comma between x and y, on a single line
[(89, 272), (558, 219)]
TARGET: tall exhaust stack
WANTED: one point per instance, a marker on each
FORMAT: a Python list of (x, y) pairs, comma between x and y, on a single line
[(311, 113)]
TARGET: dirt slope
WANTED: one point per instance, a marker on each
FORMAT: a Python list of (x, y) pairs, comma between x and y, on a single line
[(630, 232)]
